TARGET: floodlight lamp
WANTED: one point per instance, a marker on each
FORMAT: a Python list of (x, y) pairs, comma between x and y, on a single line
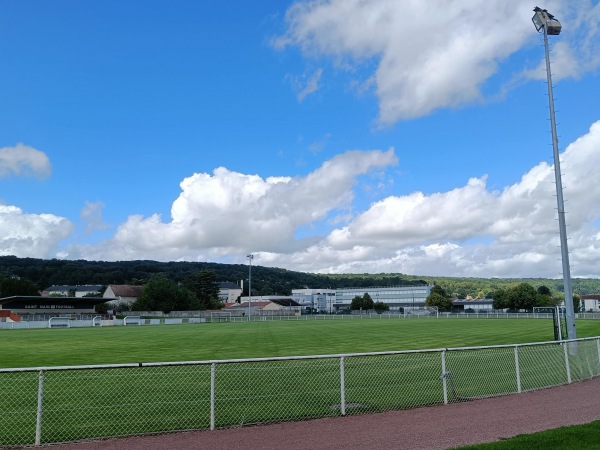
[(543, 19)]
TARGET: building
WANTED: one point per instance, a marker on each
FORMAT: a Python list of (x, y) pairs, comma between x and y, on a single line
[(229, 292), (22, 304), (123, 294), (396, 297), (590, 303), (268, 303), (478, 305), (72, 290), (318, 300)]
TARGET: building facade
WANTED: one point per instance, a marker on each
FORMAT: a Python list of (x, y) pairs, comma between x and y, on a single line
[(396, 297), (318, 300), (229, 292)]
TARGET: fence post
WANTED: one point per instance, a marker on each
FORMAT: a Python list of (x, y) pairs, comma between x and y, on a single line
[(40, 409), (444, 373), (342, 387), (567, 366), (598, 346), (212, 395), (517, 369)]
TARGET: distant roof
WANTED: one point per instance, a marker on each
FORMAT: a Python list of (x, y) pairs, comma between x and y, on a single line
[(76, 288), (479, 301), (44, 300), (263, 303), (286, 302), (227, 285), (126, 290)]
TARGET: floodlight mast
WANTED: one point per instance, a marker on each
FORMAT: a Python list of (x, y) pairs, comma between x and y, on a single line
[(545, 21)]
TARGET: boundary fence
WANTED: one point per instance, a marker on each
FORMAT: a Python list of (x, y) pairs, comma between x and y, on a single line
[(217, 318), (46, 405)]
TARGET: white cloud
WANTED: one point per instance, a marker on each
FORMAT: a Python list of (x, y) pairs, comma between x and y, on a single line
[(91, 213), (226, 212), (426, 58), (467, 231), (31, 235), (306, 86), (22, 160), (471, 231)]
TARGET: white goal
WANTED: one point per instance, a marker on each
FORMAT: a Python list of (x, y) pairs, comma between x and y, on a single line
[(419, 311)]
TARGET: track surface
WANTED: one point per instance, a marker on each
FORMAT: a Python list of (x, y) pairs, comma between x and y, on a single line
[(436, 427)]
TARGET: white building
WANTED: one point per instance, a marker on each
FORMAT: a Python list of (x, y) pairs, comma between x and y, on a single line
[(72, 290), (590, 303), (319, 300), (396, 297), (229, 292)]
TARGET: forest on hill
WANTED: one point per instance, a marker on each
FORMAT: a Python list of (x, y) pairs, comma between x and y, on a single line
[(265, 280)]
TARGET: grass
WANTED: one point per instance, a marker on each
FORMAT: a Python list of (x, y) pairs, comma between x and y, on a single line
[(93, 403), (576, 437), (196, 342)]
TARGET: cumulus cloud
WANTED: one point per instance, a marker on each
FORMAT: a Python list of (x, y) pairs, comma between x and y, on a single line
[(22, 160), (31, 235), (467, 231), (229, 212), (472, 231), (426, 58)]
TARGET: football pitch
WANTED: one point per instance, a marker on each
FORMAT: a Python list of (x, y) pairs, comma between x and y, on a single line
[(218, 341), (84, 404)]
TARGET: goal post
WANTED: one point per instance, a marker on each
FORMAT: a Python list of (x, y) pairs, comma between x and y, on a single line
[(557, 314), (420, 311)]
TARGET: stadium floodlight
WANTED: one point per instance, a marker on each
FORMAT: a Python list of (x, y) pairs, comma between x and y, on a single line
[(543, 20), (250, 257)]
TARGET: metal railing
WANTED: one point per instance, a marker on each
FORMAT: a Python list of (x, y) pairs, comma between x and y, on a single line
[(59, 404), (171, 320)]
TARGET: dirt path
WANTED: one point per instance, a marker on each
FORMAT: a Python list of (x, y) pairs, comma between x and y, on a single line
[(436, 427)]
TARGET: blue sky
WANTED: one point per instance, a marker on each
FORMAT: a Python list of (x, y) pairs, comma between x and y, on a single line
[(330, 136)]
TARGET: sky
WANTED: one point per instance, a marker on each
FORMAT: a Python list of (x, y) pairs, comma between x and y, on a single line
[(329, 136)]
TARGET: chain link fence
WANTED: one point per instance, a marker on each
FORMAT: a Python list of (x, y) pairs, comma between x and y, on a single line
[(61, 404)]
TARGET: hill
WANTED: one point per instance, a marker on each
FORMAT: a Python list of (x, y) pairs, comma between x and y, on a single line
[(265, 280)]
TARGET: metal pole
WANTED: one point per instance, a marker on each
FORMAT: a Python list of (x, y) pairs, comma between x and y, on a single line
[(40, 409), (250, 258), (342, 387), (212, 395), (570, 313)]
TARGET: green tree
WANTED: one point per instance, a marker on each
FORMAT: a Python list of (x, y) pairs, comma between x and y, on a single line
[(18, 286), (365, 302), (380, 307), (521, 296), (442, 303), (163, 294), (204, 286), (500, 299), (544, 290), (437, 289), (576, 303), (357, 303)]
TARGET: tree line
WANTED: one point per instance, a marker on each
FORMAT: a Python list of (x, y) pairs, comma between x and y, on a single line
[(265, 280), (519, 297)]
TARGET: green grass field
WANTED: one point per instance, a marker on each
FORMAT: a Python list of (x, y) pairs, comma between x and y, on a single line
[(199, 342), (576, 437), (81, 404)]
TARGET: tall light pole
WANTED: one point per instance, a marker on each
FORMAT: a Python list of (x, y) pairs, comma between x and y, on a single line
[(250, 258), (546, 22)]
